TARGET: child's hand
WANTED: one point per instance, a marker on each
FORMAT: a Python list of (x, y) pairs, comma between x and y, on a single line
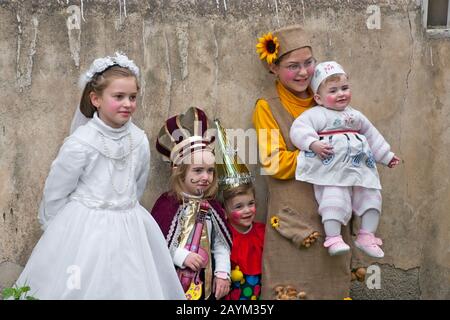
[(221, 287), (394, 161), (322, 149), (194, 261)]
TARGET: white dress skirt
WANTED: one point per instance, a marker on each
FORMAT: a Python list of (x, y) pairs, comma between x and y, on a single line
[(99, 242), (357, 147)]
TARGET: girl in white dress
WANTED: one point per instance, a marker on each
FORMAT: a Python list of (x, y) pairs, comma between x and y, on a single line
[(339, 150), (98, 241)]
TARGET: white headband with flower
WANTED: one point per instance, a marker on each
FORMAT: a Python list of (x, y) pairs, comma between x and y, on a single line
[(101, 64)]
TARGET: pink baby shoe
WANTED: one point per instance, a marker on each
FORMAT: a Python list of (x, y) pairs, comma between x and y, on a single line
[(367, 242), (336, 246)]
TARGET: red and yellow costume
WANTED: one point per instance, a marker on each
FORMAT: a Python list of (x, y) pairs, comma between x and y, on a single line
[(246, 263)]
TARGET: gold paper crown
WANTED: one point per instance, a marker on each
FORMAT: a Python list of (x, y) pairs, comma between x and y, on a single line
[(231, 172)]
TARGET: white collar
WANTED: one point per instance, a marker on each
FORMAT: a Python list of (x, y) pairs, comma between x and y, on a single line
[(107, 131)]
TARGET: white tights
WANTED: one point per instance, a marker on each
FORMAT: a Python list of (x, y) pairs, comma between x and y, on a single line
[(369, 222)]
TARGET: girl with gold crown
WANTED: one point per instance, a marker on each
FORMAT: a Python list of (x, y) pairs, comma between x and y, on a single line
[(193, 223)]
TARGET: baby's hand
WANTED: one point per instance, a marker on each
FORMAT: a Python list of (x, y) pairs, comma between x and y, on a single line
[(194, 261), (322, 149), (394, 161)]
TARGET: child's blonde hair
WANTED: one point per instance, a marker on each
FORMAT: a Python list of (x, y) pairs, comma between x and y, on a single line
[(98, 83), (178, 177)]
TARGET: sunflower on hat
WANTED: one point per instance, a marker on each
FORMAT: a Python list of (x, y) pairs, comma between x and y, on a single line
[(267, 48)]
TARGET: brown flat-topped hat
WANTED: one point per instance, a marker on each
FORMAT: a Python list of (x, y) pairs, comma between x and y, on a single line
[(274, 45)]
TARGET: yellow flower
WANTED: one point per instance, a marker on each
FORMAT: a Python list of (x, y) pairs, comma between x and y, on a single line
[(275, 221), (267, 48), (348, 298)]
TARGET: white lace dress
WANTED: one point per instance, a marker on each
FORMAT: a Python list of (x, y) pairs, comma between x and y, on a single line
[(99, 242), (357, 147)]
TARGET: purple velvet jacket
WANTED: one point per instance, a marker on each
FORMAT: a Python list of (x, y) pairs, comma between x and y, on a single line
[(166, 207)]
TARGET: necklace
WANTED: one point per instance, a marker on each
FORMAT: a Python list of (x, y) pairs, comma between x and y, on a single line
[(119, 162)]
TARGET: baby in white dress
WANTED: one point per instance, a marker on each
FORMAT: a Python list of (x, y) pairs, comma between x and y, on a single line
[(339, 151)]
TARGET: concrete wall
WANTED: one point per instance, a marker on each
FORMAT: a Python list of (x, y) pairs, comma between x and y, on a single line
[(202, 53)]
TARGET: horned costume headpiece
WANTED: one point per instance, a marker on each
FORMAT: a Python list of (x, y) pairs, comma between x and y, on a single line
[(185, 134)]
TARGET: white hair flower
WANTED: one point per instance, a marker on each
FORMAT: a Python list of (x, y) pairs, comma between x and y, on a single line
[(101, 64)]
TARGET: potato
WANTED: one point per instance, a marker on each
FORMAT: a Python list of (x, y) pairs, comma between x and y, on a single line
[(302, 295)]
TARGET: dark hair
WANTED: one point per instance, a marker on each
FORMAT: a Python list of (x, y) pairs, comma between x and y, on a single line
[(98, 83), (229, 194)]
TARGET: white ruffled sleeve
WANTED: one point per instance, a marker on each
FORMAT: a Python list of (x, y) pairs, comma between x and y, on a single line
[(178, 257), (221, 254), (143, 168), (62, 180), (379, 146), (304, 129)]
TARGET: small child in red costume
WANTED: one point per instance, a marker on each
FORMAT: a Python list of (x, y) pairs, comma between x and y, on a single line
[(237, 193), (248, 241)]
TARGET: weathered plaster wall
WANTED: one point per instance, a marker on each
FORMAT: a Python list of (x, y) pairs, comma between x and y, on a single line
[(201, 53)]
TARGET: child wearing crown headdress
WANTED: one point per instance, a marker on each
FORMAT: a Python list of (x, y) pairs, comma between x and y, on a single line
[(98, 241), (237, 194), (192, 221)]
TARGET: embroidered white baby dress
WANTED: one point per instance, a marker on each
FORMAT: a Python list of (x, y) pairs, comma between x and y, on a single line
[(357, 146)]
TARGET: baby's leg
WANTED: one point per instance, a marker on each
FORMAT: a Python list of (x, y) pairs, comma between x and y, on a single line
[(370, 220), (367, 204), (334, 203), (365, 200), (335, 209), (332, 228)]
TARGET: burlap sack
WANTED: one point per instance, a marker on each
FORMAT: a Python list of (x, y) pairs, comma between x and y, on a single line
[(291, 226)]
